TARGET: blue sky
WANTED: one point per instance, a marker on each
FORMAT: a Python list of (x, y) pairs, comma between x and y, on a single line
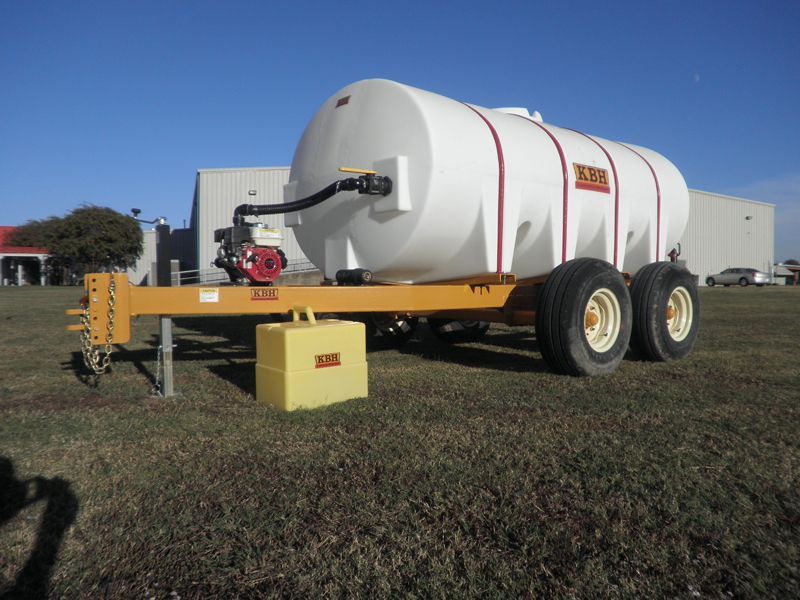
[(119, 103)]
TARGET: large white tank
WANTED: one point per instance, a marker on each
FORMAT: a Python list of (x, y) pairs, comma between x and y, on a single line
[(475, 191)]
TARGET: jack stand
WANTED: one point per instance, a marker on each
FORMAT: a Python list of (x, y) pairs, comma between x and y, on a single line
[(167, 384)]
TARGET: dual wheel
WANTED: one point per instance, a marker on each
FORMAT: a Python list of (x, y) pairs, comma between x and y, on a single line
[(587, 317)]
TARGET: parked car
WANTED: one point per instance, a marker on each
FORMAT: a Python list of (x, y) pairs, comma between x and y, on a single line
[(738, 276)]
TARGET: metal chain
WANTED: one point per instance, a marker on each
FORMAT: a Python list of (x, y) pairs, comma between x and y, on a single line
[(156, 389), (91, 355)]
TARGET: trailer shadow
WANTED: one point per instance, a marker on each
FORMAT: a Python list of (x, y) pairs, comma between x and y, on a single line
[(240, 331), (210, 339), (242, 375), (78, 369), (513, 351), (230, 345), (189, 346)]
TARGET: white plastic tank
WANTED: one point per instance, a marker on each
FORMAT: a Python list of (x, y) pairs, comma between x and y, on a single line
[(475, 190)]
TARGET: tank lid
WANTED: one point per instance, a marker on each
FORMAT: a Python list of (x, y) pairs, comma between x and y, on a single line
[(522, 112), (515, 110)]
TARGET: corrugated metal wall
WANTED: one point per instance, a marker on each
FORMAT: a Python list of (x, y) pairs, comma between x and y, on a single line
[(727, 232), (138, 272), (723, 231), (219, 191), (183, 247)]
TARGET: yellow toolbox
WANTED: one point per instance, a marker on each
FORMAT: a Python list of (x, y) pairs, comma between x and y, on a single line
[(308, 364)]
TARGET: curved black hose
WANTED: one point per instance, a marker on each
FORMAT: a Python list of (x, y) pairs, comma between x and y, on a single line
[(366, 184)]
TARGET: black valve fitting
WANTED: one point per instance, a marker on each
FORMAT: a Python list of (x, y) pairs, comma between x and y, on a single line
[(353, 276), (375, 185)]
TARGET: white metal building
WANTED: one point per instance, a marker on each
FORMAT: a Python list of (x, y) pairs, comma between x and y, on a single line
[(218, 192), (724, 232), (138, 274)]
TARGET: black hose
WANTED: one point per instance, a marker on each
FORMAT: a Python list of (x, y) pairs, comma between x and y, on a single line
[(366, 184)]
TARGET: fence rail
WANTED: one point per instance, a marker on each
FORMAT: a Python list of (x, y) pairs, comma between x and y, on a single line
[(218, 276)]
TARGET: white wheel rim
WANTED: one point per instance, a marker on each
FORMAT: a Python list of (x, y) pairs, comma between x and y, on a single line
[(602, 319), (680, 313)]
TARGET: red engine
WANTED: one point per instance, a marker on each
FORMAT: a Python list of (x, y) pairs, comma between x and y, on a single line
[(250, 252), (260, 264)]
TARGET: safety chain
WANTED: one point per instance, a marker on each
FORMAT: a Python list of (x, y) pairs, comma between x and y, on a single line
[(91, 355), (156, 389)]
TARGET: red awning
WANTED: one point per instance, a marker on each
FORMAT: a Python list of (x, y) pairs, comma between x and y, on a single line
[(5, 233)]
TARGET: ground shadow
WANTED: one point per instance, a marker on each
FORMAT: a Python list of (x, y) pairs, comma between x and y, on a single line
[(242, 375), (33, 581), (239, 330), (237, 339), (186, 349), (77, 367), (428, 347)]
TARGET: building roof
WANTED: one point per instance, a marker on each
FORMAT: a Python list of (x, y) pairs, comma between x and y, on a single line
[(243, 169), (789, 268), (5, 248), (727, 197)]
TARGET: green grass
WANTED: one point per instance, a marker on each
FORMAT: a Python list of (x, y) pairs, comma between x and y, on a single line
[(469, 471)]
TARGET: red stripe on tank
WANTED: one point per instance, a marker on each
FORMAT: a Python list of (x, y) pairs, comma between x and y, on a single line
[(501, 184), (658, 200), (616, 193), (565, 192)]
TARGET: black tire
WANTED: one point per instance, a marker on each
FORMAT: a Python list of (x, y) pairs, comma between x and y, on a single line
[(710, 282), (387, 330), (458, 332), (561, 318), (743, 282), (658, 290), (326, 316)]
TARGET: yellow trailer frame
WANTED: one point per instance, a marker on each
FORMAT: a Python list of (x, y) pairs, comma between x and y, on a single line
[(110, 297), (587, 319)]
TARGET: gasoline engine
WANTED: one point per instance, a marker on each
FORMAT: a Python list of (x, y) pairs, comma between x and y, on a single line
[(250, 252)]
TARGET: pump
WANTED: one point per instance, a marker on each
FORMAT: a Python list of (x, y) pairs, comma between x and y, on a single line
[(251, 250)]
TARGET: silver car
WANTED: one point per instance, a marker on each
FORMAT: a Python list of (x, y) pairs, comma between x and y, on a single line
[(742, 277)]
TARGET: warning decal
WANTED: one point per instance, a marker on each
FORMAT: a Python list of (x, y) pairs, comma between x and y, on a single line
[(591, 178), (209, 295)]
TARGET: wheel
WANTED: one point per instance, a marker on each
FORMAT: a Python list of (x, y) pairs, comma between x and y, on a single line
[(743, 282), (583, 322), (387, 329), (710, 282), (666, 312), (457, 332)]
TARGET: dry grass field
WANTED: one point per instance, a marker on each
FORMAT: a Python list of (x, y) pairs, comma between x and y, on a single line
[(469, 471)]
